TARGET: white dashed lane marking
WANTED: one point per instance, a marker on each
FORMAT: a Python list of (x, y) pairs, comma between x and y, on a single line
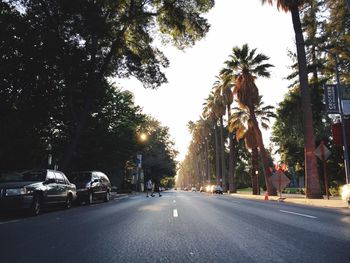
[(175, 213), (293, 213)]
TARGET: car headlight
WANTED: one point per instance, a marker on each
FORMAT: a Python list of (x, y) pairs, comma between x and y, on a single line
[(345, 191), (17, 191)]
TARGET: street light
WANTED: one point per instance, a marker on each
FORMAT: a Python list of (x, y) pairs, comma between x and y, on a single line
[(257, 182), (140, 178), (143, 137)]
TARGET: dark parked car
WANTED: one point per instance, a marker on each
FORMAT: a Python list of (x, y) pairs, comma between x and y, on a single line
[(34, 189), (91, 185)]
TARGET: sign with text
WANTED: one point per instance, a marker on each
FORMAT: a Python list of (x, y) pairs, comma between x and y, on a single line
[(331, 98)]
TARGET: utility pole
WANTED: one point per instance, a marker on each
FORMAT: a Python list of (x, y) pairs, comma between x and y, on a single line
[(343, 123)]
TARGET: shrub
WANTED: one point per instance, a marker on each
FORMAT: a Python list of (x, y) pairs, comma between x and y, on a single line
[(294, 191)]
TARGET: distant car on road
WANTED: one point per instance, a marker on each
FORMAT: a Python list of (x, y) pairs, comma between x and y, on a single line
[(91, 185), (33, 189), (193, 189), (216, 189), (346, 194)]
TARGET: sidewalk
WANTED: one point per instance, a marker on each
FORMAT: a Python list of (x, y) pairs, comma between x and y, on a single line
[(333, 202)]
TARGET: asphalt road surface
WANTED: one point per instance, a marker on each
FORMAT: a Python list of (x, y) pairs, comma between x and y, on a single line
[(179, 227)]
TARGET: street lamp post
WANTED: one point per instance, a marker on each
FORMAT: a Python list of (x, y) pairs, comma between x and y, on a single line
[(139, 173), (257, 182), (139, 169), (49, 155)]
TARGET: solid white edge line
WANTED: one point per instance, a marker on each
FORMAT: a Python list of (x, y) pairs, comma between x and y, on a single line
[(8, 222), (175, 213), (293, 213)]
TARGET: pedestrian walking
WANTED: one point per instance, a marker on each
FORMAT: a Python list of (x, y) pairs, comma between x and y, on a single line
[(156, 189), (149, 186)]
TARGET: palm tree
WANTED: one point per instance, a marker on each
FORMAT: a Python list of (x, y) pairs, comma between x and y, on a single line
[(209, 112), (241, 122), (224, 88), (220, 109), (243, 68), (313, 189)]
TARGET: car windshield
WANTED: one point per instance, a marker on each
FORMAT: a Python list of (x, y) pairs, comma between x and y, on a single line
[(80, 177), (23, 176)]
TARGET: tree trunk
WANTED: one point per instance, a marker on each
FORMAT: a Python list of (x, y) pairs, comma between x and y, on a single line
[(231, 162), (217, 155), (313, 189), (264, 157), (207, 161), (255, 167), (223, 164), (95, 75)]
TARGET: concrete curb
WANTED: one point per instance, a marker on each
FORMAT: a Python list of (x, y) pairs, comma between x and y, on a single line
[(333, 202)]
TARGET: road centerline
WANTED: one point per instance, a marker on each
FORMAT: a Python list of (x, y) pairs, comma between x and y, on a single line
[(298, 214), (175, 214)]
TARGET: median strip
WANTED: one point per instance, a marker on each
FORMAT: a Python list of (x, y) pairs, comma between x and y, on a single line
[(293, 213)]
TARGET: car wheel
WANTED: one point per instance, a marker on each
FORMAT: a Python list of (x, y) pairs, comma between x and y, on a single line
[(68, 202), (107, 197), (35, 207), (89, 199)]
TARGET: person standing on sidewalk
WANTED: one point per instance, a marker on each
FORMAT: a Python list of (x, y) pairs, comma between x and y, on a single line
[(149, 186)]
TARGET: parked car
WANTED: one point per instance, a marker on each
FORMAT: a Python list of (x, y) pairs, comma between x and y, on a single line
[(216, 189), (202, 189), (345, 194), (91, 186), (193, 189), (34, 189)]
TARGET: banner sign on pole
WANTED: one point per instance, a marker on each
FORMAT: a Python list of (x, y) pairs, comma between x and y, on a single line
[(345, 99), (331, 98)]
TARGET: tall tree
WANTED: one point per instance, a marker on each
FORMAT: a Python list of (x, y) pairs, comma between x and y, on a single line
[(241, 122), (224, 90), (220, 109), (313, 189), (87, 42), (213, 110), (242, 68), (158, 151)]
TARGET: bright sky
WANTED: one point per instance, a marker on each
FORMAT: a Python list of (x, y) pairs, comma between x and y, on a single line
[(192, 72)]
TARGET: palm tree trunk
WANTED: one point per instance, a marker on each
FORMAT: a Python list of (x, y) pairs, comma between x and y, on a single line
[(264, 157), (312, 183), (255, 167), (217, 155), (231, 174), (207, 161), (223, 164)]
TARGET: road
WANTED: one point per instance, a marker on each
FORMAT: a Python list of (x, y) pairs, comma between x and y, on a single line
[(179, 227)]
